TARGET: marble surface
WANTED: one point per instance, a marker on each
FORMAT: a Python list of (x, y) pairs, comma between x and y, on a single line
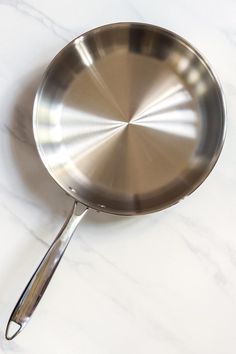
[(163, 283)]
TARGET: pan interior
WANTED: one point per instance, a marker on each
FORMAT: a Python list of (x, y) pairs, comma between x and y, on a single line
[(129, 119)]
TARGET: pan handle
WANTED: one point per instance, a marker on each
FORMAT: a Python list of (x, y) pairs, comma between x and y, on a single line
[(37, 285)]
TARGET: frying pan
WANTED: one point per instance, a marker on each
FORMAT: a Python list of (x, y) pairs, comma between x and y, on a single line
[(128, 119)]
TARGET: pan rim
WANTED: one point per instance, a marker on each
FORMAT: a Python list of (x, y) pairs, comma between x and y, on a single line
[(220, 94)]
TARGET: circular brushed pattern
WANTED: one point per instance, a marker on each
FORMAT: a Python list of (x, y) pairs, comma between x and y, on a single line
[(129, 118)]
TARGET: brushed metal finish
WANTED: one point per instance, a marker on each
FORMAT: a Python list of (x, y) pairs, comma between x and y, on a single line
[(129, 118)]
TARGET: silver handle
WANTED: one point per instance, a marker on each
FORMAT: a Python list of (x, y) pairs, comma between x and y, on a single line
[(37, 285)]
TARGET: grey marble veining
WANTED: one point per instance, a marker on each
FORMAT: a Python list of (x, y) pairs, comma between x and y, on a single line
[(162, 283)]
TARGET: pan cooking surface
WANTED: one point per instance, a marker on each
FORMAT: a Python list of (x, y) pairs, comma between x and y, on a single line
[(129, 118)]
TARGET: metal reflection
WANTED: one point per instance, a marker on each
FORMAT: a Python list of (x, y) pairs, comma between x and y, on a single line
[(84, 53), (129, 127)]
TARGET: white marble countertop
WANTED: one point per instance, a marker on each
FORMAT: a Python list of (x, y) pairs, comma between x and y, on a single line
[(163, 283)]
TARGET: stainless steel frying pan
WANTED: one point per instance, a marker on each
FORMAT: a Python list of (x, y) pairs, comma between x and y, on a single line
[(129, 119)]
